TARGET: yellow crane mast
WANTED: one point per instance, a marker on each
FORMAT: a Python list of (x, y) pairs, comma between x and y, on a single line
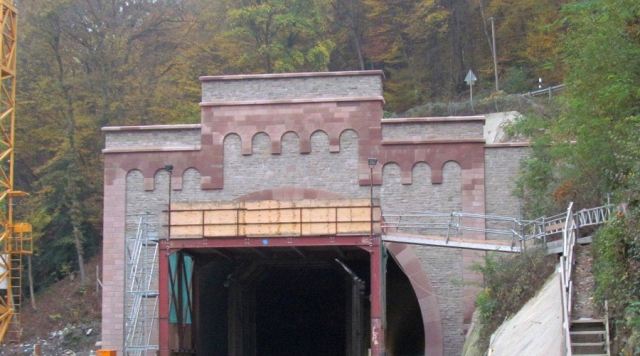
[(15, 238)]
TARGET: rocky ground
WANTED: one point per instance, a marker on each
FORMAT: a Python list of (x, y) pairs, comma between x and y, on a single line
[(73, 340), (66, 320)]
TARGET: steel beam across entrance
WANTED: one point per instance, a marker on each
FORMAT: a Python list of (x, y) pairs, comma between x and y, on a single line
[(363, 241), (371, 244)]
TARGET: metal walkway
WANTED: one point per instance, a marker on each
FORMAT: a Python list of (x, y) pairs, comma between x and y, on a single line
[(481, 245), (486, 232)]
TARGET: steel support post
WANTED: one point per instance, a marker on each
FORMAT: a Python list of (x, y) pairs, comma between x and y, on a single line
[(377, 325), (163, 295)]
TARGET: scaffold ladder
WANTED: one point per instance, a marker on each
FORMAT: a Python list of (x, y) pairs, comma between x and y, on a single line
[(141, 297)]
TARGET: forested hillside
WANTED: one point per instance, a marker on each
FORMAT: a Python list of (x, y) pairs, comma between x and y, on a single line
[(85, 64)]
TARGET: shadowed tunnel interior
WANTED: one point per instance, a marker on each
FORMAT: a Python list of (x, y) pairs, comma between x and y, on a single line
[(405, 329), (280, 304), (301, 311)]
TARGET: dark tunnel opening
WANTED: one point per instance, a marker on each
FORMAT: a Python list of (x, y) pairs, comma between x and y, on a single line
[(285, 306), (301, 312), (282, 306), (405, 328)]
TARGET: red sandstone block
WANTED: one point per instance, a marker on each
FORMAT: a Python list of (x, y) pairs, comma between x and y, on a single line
[(429, 308)]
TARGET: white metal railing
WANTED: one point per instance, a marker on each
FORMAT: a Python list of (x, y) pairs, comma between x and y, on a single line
[(569, 235), (452, 225), (548, 90)]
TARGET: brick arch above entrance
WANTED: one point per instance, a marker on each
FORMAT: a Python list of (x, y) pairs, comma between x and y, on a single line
[(433, 333)]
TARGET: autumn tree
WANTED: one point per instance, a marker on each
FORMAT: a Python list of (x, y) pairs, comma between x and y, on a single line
[(266, 36), (85, 64)]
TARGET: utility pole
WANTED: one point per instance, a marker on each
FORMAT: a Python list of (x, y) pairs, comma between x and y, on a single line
[(493, 52)]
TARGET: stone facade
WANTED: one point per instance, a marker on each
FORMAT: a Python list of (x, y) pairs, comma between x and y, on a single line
[(432, 128), (502, 160), (307, 136), (315, 86), (187, 136)]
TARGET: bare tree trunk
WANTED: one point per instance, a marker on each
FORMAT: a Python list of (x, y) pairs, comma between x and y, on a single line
[(353, 25), (484, 27), (72, 188), (77, 237), (31, 292)]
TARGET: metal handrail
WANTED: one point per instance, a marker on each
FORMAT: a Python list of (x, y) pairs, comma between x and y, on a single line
[(521, 230), (566, 271)]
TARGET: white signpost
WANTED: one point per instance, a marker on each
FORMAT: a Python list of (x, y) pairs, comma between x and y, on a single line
[(470, 79)]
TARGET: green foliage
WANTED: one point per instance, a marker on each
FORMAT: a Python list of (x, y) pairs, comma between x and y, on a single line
[(617, 273), (590, 143), (55, 317), (591, 147), (509, 283), (278, 36), (492, 104), (517, 80)]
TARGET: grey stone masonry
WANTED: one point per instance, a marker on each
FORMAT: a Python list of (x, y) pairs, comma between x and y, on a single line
[(428, 129), (502, 165), (443, 265), (160, 137), (291, 86)]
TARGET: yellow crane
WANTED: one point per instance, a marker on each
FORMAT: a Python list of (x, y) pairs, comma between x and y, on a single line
[(15, 238)]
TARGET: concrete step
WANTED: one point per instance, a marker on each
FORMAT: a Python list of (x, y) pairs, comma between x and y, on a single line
[(587, 332), (588, 336), (587, 325), (587, 344), (587, 321)]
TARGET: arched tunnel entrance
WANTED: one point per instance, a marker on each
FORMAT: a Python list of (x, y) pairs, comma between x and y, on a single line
[(286, 301)]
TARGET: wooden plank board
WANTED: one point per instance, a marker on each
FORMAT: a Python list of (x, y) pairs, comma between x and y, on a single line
[(186, 218), (272, 218), (555, 227)]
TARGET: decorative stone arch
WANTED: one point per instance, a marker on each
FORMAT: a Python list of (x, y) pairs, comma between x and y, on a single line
[(413, 169), (324, 134), (410, 264), (282, 139)]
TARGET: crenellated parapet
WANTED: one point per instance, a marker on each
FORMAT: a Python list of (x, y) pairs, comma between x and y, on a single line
[(302, 104)]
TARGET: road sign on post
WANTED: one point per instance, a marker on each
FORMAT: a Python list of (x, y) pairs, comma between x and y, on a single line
[(470, 79)]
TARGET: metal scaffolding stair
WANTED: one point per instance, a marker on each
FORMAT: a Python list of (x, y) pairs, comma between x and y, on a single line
[(141, 295)]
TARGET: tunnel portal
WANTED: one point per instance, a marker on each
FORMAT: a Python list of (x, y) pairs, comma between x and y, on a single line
[(286, 301), (281, 301)]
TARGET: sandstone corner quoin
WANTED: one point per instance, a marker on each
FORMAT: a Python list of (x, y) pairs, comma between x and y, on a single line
[(299, 141)]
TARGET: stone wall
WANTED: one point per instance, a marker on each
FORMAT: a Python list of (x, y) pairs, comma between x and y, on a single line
[(429, 129), (291, 86), (443, 265), (155, 136), (502, 164)]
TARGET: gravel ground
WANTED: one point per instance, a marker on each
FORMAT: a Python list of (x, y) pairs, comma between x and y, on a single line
[(73, 340)]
